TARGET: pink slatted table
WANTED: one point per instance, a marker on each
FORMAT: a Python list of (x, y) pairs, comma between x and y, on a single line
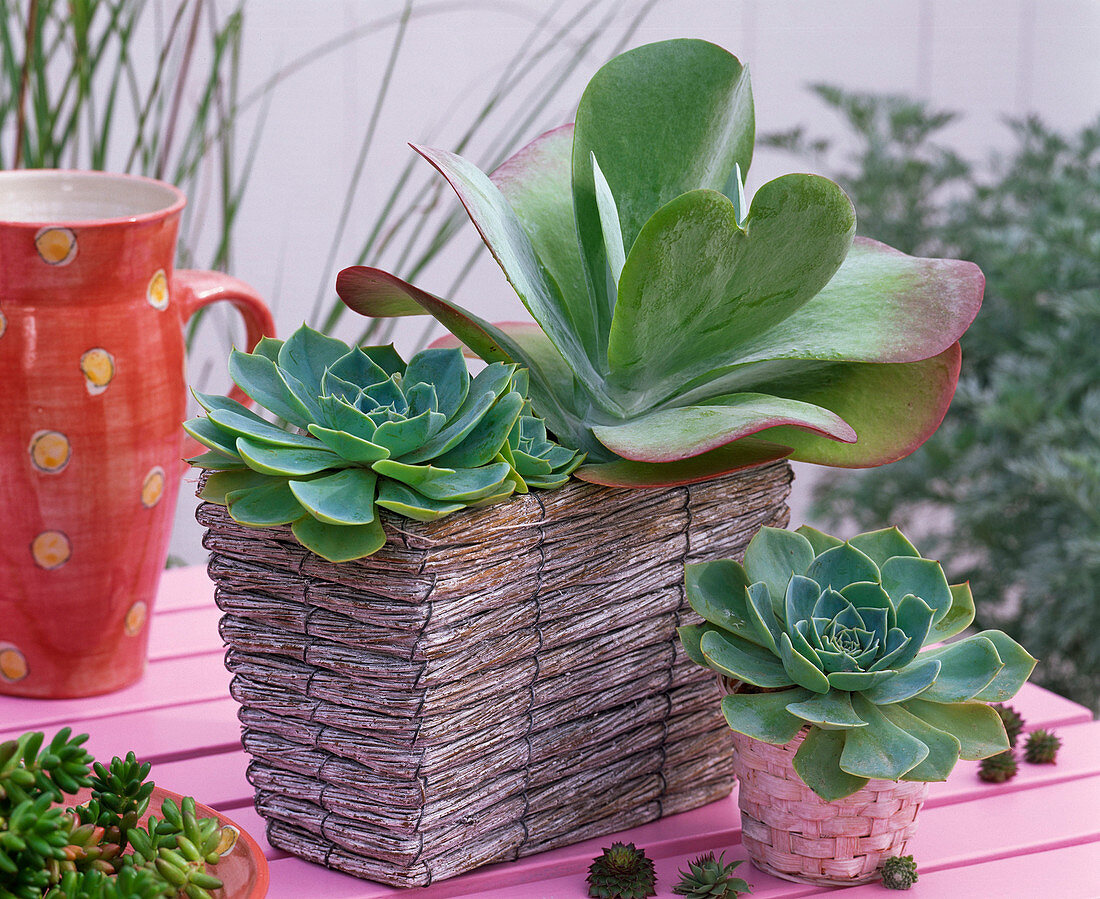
[(1038, 835)]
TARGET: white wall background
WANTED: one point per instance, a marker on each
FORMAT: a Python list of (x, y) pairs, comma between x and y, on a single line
[(984, 58)]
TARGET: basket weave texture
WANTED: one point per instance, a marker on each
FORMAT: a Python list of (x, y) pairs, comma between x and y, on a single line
[(497, 683), (791, 832)]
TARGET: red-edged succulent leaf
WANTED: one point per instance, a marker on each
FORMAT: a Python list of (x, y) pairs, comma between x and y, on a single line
[(881, 306), (732, 457), (679, 433), (894, 408)]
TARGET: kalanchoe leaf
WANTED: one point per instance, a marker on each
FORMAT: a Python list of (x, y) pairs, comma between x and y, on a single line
[(422, 440), (875, 702), (714, 296)]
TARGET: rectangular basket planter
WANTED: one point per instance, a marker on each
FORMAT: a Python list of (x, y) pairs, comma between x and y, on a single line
[(500, 682)]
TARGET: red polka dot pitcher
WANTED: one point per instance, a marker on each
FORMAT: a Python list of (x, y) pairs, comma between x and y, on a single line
[(92, 394)]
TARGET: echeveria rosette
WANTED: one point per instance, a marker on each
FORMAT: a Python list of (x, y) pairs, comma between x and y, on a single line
[(364, 430), (838, 636), (680, 332)]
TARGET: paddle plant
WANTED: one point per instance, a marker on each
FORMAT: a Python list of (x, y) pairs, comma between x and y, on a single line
[(680, 331), (363, 430), (836, 637)]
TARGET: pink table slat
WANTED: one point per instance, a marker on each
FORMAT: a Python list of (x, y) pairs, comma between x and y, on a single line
[(1038, 835)]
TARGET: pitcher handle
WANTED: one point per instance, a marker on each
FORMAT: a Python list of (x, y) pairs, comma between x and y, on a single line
[(196, 289)]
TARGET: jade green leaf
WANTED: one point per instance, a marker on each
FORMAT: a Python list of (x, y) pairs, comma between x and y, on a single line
[(348, 446), (1018, 664), (221, 483), (819, 540), (695, 286), (210, 402), (865, 596), (742, 454), (460, 485), (762, 617), (967, 667), (341, 415), (489, 384), (921, 577), (745, 661), (609, 224), (661, 119), (800, 669), (259, 377), (884, 544), (345, 497), (357, 368), (339, 542), (285, 460), (958, 618), (407, 437), (690, 636), (265, 505), (975, 725), (211, 436), (405, 501), (802, 646), (839, 566), (943, 748), (482, 444), (893, 407), (386, 358), (831, 710), (335, 387), (764, 716), (881, 749), (269, 348), (446, 370), (684, 431), (772, 556), (904, 684), (215, 461), (857, 680), (307, 353), (718, 592), (258, 430), (914, 617), (503, 233), (817, 762)]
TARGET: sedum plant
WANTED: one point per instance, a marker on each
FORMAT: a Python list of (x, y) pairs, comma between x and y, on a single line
[(708, 877), (836, 637), (681, 331), (364, 431)]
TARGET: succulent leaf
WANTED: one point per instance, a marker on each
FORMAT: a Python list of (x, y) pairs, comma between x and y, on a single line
[(656, 288), (843, 656), (365, 429)]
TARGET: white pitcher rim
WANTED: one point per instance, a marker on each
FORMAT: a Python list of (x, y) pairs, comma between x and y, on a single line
[(174, 198)]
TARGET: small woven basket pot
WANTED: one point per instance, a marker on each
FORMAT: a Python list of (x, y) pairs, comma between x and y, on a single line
[(791, 832)]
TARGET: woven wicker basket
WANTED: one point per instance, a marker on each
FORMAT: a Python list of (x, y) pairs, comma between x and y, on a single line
[(500, 682), (791, 832)]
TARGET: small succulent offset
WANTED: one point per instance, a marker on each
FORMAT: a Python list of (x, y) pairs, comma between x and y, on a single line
[(95, 850), (680, 331), (899, 872), (622, 871), (996, 769), (1042, 747), (366, 430), (711, 878), (830, 635)]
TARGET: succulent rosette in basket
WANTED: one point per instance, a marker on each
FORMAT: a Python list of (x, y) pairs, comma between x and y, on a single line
[(681, 332), (837, 637), (363, 430)]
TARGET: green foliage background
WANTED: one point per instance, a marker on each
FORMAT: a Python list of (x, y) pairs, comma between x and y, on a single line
[(1007, 492)]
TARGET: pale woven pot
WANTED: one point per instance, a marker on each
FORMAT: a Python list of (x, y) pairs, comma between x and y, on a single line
[(791, 832)]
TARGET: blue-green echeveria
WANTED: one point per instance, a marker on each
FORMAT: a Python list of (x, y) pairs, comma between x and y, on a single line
[(364, 431), (845, 638), (681, 332)]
